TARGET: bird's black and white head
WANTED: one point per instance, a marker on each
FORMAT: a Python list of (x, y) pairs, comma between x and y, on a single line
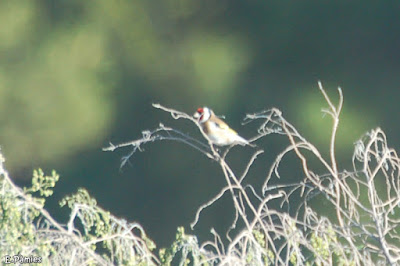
[(203, 114)]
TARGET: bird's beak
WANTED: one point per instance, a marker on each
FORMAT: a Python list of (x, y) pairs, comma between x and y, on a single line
[(196, 115)]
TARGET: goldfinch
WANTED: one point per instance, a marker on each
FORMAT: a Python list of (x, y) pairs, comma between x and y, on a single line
[(217, 130)]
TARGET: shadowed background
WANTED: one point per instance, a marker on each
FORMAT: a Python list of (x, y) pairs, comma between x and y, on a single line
[(76, 75)]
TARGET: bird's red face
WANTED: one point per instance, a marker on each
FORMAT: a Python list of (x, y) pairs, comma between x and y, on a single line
[(200, 111), (202, 114)]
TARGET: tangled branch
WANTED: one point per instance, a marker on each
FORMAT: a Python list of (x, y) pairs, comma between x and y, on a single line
[(281, 224)]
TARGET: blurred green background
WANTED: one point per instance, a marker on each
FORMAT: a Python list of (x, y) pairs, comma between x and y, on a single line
[(75, 75)]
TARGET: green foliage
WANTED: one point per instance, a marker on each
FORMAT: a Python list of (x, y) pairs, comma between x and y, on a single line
[(95, 221), (28, 229), (99, 224), (81, 197), (320, 246), (260, 239), (184, 245), (42, 184), (18, 213)]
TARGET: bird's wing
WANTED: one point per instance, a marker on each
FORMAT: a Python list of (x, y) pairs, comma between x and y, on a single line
[(222, 125)]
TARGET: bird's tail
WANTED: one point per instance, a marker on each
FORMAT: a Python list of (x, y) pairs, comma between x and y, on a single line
[(245, 142)]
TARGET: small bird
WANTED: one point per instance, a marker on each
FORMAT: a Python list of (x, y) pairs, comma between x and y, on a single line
[(217, 130)]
